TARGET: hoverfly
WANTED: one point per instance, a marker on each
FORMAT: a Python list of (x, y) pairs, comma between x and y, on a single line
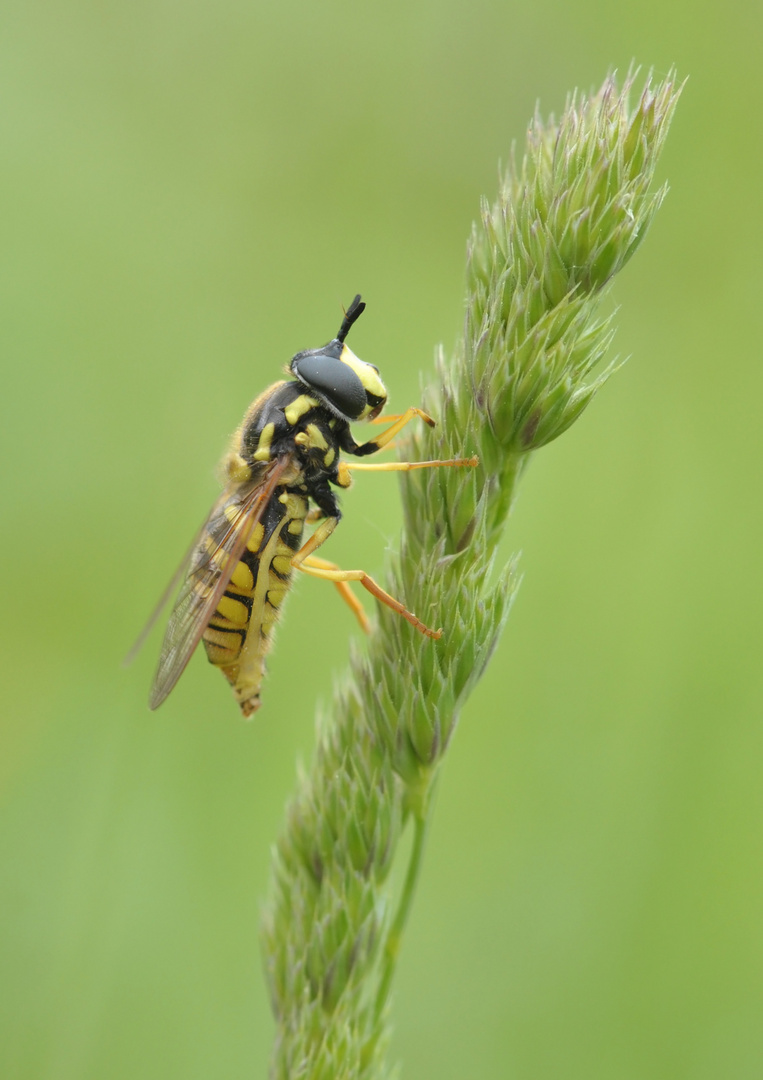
[(279, 472)]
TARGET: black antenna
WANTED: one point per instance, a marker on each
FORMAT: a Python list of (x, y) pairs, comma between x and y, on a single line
[(353, 312)]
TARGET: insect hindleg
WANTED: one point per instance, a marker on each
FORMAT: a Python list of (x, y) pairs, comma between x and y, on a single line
[(368, 583), (305, 561), (349, 597)]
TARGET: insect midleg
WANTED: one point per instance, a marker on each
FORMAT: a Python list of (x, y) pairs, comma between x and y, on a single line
[(346, 467), (302, 561), (406, 466)]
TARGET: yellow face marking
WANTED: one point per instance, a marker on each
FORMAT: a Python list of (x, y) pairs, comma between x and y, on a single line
[(368, 375), (255, 540), (242, 577), (233, 610), (317, 438), (328, 458), (303, 404), (263, 446)]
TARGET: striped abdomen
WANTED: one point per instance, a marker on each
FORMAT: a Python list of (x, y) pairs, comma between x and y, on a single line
[(239, 634)]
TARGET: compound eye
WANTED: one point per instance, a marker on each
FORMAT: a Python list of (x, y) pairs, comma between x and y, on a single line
[(334, 381)]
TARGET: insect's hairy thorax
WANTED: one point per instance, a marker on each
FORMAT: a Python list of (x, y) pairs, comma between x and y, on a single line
[(289, 421)]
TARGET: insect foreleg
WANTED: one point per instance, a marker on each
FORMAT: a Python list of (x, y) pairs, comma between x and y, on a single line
[(387, 436)]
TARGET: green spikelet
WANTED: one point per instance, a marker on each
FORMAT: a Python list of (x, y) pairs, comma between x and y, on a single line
[(567, 218)]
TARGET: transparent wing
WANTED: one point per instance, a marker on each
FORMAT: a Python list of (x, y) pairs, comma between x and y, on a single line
[(175, 580), (210, 563)]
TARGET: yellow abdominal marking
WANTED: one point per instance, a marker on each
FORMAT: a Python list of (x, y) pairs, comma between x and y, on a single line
[(242, 578), (254, 541), (275, 596), (219, 648), (282, 564), (233, 610), (242, 659)]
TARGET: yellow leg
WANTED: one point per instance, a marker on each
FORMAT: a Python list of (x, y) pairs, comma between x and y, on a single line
[(406, 466), (398, 424), (320, 536), (368, 583), (387, 418), (345, 591), (346, 467), (305, 561)]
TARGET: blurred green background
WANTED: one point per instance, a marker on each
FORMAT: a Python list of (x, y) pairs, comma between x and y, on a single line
[(189, 193)]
